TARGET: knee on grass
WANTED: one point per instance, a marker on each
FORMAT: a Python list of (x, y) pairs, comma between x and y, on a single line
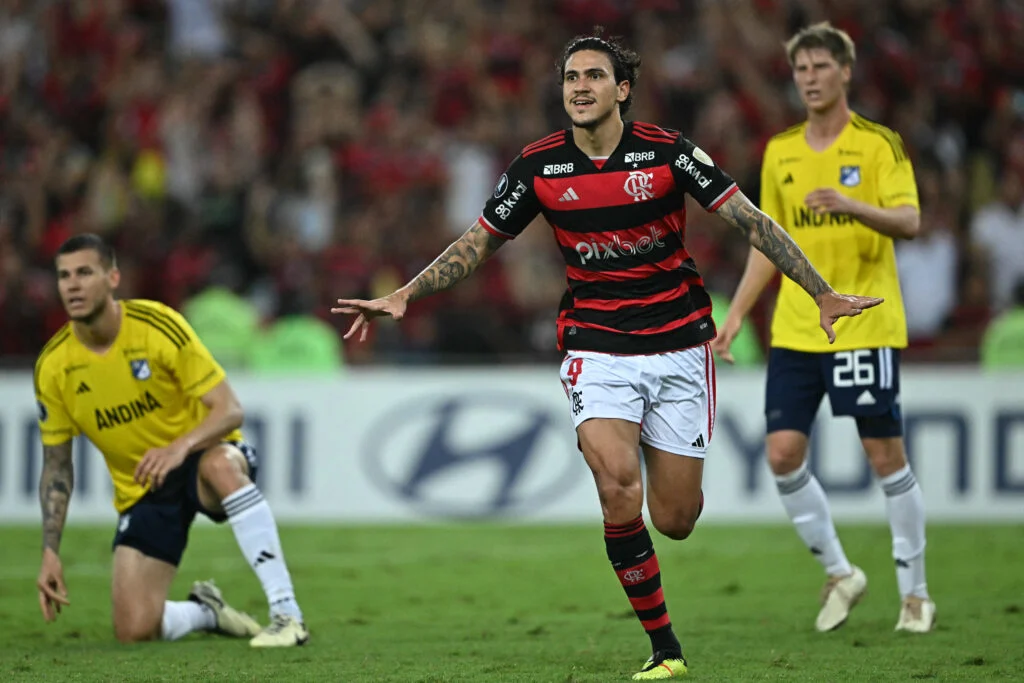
[(137, 629)]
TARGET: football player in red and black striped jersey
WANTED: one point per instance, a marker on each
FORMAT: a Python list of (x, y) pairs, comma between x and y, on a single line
[(635, 320)]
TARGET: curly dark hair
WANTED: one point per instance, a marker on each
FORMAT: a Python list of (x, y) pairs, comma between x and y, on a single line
[(625, 62)]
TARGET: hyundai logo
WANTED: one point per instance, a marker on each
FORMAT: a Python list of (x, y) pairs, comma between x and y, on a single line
[(473, 456)]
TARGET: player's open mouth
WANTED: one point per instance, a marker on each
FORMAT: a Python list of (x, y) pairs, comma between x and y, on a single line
[(812, 94), (583, 103), (74, 300)]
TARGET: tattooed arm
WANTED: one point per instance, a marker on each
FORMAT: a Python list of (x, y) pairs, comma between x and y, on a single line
[(55, 486), (778, 247), (770, 239), (454, 265)]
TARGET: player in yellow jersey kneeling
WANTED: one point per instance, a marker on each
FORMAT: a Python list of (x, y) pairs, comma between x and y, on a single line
[(843, 187), (134, 378)]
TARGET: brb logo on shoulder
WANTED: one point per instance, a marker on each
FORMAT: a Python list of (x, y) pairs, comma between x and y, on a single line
[(504, 209)]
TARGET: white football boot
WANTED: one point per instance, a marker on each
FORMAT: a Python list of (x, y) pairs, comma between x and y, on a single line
[(230, 621), (283, 631), (917, 615), (838, 597)]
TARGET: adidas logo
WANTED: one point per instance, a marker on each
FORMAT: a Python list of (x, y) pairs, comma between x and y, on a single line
[(569, 196), (698, 442), (264, 556), (83, 388), (788, 180), (866, 399)]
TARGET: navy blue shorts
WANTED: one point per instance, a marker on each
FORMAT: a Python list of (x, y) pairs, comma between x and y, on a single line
[(864, 384), (157, 525)]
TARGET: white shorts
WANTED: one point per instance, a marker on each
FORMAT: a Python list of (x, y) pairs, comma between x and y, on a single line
[(670, 395)]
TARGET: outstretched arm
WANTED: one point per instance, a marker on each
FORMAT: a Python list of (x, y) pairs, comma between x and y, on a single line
[(770, 239), (455, 264)]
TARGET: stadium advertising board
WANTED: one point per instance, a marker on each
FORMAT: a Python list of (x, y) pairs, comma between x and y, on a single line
[(422, 445)]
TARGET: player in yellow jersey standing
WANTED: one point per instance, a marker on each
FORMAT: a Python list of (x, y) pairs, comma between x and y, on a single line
[(134, 378), (843, 187)]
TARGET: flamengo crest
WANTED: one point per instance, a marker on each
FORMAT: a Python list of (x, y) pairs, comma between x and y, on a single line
[(639, 186)]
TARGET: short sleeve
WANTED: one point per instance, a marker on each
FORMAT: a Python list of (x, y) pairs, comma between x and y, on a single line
[(697, 174), (514, 204), (55, 424), (896, 184), (189, 359)]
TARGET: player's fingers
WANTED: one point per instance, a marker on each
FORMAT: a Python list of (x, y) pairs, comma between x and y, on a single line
[(54, 592), (352, 303), (356, 324), (140, 471), (45, 606), (160, 475), (868, 301), (362, 335), (144, 470), (826, 325)]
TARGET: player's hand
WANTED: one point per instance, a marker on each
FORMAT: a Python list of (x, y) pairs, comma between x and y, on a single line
[(835, 306), (828, 200), (157, 463), (726, 335), (393, 304), (52, 591)]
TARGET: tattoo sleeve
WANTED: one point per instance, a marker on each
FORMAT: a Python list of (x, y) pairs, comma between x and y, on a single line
[(770, 239), (55, 486), (456, 263)]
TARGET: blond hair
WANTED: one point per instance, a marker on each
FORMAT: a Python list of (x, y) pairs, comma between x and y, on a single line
[(825, 36)]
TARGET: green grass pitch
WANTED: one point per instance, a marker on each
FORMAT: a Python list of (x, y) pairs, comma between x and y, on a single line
[(432, 604)]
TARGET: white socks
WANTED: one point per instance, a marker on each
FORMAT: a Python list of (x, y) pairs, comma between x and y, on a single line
[(256, 533), (807, 507), (805, 502), (182, 618), (905, 504)]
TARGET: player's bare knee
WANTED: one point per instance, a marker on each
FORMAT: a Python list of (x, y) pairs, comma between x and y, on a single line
[(621, 497), (885, 455), (677, 524), (223, 470), (783, 459)]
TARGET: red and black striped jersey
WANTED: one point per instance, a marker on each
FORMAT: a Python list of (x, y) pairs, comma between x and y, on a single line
[(621, 225)]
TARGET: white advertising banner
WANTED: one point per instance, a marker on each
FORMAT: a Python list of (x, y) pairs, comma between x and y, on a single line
[(417, 445)]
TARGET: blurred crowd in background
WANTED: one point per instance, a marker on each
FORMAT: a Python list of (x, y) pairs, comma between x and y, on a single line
[(254, 160)]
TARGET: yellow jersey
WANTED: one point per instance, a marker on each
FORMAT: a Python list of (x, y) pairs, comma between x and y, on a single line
[(866, 162), (142, 393)]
